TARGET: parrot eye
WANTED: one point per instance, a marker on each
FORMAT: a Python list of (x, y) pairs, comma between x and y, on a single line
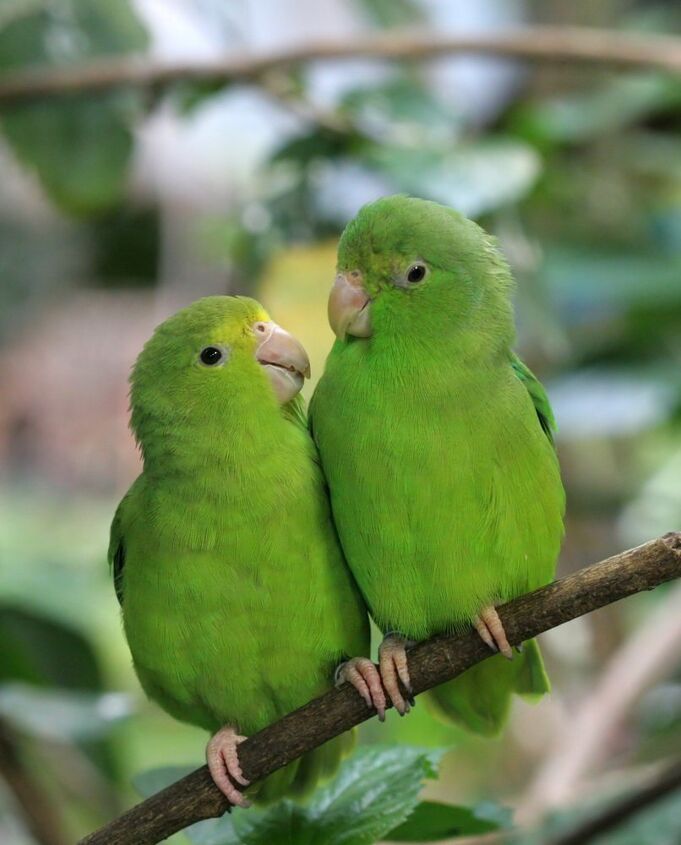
[(416, 273), (212, 356)]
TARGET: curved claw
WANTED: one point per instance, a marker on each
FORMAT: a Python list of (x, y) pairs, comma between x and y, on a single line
[(223, 763), (364, 677), (489, 626), (392, 658)]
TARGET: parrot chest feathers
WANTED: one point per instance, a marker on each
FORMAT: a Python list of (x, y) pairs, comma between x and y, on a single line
[(448, 495)]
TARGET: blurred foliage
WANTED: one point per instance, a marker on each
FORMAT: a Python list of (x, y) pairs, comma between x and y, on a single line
[(374, 795), (79, 147), (578, 174)]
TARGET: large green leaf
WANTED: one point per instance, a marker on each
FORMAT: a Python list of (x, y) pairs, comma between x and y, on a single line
[(431, 822), (374, 791), (79, 146)]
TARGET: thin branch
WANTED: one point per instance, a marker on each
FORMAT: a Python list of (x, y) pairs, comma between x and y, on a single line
[(534, 43), (650, 653), (614, 816), (36, 807), (433, 662)]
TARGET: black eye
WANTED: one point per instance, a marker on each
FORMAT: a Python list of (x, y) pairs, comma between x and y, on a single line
[(416, 273), (210, 356)]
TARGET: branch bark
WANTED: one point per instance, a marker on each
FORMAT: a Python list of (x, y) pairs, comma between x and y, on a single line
[(534, 43), (432, 662)]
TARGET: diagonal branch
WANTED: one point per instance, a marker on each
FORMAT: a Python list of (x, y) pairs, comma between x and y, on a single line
[(615, 815), (534, 43), (433, 662)]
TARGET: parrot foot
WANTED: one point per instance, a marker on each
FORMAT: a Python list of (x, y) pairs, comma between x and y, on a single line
[(488, 625), (365, 678), (223, 763), (392, 659)]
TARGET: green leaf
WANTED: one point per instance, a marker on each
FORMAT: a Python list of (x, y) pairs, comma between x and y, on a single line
[(39, 650), (62, 715), (432, 821), (608, 108), (375, 790), (78, 146)]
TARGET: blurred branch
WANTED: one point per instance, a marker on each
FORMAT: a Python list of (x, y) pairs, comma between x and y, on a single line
[(433, 662), (664, 783), (537, 44), (36, 807), (650, 653)]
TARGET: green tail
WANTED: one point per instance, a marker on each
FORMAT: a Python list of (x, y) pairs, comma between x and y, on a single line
[(298, 779), (479, 700)]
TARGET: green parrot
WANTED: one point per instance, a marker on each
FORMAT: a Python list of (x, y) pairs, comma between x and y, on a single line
[(436, 441), (236, 600)]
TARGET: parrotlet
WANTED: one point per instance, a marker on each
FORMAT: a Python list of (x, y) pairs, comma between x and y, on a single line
[(437, 443), (237, 603)]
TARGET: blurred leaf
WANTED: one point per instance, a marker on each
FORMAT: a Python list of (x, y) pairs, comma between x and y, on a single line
[(61, 715), (431, 822), (40, 650), (79, 146), (388, 13), (473, 178), (583, 280), (153, 780), (582, 117), (403, 100)]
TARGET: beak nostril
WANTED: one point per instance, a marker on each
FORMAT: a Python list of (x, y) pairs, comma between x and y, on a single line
[(260, 327)]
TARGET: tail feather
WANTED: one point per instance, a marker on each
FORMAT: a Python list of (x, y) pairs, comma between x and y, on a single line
[(480, 698)]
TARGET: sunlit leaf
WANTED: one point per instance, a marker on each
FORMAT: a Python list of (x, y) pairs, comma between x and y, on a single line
[(474, 179)]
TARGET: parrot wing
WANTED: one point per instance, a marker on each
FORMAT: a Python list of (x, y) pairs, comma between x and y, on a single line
[(116, 554), (537, 395)]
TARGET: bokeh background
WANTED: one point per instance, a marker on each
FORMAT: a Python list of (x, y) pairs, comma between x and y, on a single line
[(119, 207)]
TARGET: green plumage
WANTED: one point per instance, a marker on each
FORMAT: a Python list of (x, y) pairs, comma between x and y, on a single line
[(436, 442), (236, 601)]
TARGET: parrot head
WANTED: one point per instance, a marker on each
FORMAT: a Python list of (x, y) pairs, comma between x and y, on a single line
[(413, 269), (219, 354)]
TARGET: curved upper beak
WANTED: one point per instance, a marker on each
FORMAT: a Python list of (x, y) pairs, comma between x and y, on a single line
[(349, 307), (283, 357)]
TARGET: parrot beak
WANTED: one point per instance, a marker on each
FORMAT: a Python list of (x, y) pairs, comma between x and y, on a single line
[(349, 306), (283, 358)]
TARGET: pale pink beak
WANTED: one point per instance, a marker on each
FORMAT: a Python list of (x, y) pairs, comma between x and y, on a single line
[(283, 358), (349, 306)]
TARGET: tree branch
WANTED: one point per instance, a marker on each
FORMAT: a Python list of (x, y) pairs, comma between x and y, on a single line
[(36, 806), (432, 662), (666, 781), (534, 43)]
